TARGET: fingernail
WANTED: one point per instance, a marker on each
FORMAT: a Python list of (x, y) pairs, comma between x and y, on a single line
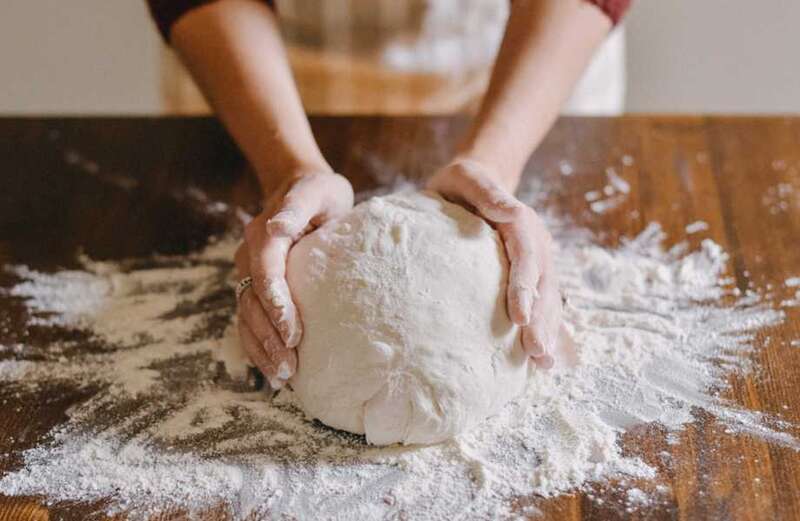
[(276, 383), (283, 371)]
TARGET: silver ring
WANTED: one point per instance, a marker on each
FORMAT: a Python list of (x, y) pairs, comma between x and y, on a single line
[(242, 286)]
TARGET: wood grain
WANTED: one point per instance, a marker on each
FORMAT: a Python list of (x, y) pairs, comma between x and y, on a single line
[(107, 186)]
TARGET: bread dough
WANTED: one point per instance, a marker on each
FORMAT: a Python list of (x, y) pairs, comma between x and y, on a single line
[(406, 335)]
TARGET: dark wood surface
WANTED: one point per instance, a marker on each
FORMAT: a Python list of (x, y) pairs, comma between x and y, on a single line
[(117, 188)]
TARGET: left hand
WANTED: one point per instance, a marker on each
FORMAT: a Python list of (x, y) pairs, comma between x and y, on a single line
[(270, 326), (533, 298)]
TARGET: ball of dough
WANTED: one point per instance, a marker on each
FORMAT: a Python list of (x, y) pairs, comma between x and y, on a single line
[(406, 337)]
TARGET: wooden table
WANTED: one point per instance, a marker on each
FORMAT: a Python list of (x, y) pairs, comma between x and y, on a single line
[(107, 186)]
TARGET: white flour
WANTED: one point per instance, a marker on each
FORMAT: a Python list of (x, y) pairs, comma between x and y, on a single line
[(781, 198), (696, 227), (658, 335), (611, 195)]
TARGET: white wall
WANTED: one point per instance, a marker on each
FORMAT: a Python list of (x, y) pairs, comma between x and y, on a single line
[(714, 56), (77, 56), (102, 56)]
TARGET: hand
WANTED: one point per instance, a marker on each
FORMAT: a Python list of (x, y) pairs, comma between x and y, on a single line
[(269, 324), (533, 299)]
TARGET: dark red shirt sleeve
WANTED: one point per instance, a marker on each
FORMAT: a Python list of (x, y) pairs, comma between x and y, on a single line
[(615, 9), (166, 12)]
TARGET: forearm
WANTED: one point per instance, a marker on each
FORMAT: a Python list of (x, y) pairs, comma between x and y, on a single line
[(546, 47), (234, 51)]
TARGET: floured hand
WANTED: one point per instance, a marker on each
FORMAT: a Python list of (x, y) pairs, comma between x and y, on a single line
[(269, 325), (533, 299)]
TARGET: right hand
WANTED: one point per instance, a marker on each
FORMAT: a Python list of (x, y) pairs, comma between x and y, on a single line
[(533, 299), (269, 324)]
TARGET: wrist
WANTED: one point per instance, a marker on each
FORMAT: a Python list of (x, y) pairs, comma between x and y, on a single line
[(306, 169), (272, 178), (493, 168)]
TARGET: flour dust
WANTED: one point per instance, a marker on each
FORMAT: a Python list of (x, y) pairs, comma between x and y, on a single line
[(174, 422)]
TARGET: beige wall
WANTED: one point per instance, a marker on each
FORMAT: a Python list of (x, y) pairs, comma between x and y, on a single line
[(102, 56), (714, 55), (77, 56)]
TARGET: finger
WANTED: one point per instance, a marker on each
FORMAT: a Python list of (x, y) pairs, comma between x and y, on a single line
[(546, 314), (276, 365), (254, 350), (268, 269), (530, 344), (524, 273), (535, 349), (283, 359), (284, 363), (312, 199), (541, 334), (488, 198), (252, 313)]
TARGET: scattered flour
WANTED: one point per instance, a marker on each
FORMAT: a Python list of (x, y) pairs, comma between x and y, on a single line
[(637, 496), (792, 302), (779, 165), (781, 198), (565, 167), (613, 194), (793, 283), (658, 334), (85, 165), (695, 227), (618, 183)]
